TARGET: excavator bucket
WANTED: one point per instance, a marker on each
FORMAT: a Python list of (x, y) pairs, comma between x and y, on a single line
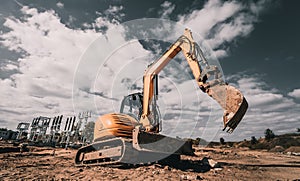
[(232, 101)]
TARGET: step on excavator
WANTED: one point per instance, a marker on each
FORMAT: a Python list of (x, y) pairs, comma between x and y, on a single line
[(133, 135)]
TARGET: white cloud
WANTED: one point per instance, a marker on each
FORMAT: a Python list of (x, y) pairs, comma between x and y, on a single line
[(295, 93), (53, 51), (214, 12), (220, 22), (167, 9), (9, 67), (113, 10), (114, 13), (60, 5), (107, 19), (241, 25), (44, 84)]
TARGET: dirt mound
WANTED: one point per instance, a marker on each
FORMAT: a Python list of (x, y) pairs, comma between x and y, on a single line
[(285, 141), (277, 149), (295, 149), (277, 144)]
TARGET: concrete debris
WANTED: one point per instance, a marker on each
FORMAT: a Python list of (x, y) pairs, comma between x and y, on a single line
[(293, 153), (212, 163), (218, 169), (155, 172)]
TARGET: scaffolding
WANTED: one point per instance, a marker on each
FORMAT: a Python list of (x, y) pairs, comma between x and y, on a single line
[(23, 130), (39, 128), (65, 133)]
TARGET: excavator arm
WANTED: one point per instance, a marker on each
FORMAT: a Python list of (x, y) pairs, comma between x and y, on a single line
[(230, 99)]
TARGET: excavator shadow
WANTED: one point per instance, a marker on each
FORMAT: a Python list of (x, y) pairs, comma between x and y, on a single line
[(184, 165), (188, 165)]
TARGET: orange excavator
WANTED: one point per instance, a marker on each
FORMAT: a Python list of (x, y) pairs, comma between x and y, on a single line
[(133, 135)]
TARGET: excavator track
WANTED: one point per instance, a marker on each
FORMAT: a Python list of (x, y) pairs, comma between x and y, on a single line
[(101, 152), (119, 152)]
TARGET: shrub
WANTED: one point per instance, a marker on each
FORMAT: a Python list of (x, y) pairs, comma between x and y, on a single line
[(269, 134), (222, 141), (253, 140)]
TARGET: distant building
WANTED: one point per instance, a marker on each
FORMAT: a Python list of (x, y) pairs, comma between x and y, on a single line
[(6, 134)]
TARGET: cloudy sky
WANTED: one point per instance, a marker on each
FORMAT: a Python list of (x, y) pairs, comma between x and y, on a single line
[(64, 57)]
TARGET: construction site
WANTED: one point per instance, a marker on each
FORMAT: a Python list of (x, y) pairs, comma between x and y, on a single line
[(128, 145), (231, 161)]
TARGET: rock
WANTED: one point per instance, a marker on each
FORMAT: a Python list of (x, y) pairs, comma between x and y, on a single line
[(152, 166), (167, 168), (125, 178), (183, 177), (155, 172), (212, 163), (295, 154), (139, 168), (156, 166), (198, 177), (190, 177), (277, 149), (114, 176)]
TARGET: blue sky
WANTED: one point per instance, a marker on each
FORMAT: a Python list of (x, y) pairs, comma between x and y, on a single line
[(48, 62)]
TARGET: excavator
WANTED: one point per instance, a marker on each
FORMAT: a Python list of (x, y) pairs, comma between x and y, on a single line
[(132, 136)]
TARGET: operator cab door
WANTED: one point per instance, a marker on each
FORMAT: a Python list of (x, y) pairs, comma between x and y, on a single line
[(132, 105)]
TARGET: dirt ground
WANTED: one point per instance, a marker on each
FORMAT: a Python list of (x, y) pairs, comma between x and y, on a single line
[(225, 164)]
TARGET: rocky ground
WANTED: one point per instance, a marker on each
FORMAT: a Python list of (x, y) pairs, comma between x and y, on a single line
[(45, 163)]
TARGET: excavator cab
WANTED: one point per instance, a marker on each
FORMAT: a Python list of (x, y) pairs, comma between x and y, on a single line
[(132, 105)]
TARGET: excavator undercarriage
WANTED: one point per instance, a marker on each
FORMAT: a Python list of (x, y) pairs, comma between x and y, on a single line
[(143, 148)]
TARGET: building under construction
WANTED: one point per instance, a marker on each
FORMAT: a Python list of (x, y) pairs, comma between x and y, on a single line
[(70, 131)]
